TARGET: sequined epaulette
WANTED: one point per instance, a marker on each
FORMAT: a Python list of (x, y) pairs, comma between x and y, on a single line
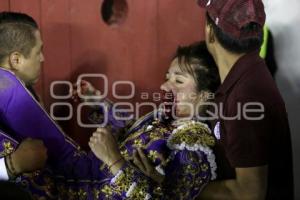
[(191, 135)]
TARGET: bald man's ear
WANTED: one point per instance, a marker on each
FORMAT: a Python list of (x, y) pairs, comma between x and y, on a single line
[(15, 60)]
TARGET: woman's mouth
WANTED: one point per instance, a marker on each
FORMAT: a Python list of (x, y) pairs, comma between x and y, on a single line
[(168, 105)]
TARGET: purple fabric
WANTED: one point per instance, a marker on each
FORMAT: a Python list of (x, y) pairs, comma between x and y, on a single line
[(22, 117), (79, 175), (180, 181)]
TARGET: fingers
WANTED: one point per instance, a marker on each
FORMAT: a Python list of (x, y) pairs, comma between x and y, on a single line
[(145, 161), (137, 161), (91, 145), (81, 83), (94, 139), (98, 135), (101, 129), (85, 88), (75, 96)]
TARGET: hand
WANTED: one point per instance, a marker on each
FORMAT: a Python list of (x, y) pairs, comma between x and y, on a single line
[(104, 146), (30, 155), (143, 163), (88, 90)]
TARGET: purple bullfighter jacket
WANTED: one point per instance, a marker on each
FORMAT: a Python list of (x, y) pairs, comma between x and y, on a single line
[(181, 153)]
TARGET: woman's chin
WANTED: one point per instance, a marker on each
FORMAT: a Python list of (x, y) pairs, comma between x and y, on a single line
[(183, 114)]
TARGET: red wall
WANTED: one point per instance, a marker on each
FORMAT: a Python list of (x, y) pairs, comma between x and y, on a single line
[(76, 40)]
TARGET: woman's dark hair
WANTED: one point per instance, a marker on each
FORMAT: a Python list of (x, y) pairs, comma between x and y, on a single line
[(197, 61), (243, 45)]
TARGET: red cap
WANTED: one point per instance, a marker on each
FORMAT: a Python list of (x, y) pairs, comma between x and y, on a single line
[(231, 15)]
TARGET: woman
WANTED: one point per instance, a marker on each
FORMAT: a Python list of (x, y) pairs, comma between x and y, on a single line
[(163, 158)]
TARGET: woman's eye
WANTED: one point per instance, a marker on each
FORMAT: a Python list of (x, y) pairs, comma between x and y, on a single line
[(179, 81)]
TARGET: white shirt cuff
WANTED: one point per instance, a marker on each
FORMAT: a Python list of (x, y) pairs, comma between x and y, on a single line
[(3, 170)]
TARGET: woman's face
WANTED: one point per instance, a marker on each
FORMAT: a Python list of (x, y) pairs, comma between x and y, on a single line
[(183, 86)]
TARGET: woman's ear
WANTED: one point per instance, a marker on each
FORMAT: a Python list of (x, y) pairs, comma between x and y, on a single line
[(15, 60), (211, 35)]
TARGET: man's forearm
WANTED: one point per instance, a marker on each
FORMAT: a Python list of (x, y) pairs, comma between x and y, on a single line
[(217, 190), (229, 189), (250, 183)]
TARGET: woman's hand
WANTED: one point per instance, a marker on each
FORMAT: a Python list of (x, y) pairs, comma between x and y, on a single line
[(87, 90), (143, 163), (104, 146)]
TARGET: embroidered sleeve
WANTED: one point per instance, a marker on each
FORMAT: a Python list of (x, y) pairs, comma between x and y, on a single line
[(192, 162), (128, 183), (190, 166), (186, 175)]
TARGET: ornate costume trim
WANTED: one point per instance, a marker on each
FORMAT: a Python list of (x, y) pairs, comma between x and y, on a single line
[(194, 136), (114, 179), (147, 197), (7, 147), (8, 144), (160, 170), (191, 133), (139, 122), (131, 188)]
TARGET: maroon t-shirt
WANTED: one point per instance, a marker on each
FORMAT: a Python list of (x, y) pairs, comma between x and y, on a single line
[(252, 129)]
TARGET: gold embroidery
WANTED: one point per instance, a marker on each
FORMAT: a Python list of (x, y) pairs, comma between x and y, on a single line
[(158, 191), (107, 191), (153, 155), (138, 143), (193, 134), (8, 148), (72, 194), (125, 154), (96, 193), (162, 130), (140, 191), (63, 193), (82, 194), (204, 167), (188, 179), (124, 181), (155, 135)]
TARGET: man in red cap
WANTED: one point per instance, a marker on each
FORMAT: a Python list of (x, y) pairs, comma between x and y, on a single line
[(253, 150)]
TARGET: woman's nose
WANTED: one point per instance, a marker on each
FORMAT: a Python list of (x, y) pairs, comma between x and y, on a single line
[(165, 87)]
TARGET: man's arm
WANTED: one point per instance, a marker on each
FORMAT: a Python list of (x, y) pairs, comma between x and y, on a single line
[(250, 183), (29, 156)]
